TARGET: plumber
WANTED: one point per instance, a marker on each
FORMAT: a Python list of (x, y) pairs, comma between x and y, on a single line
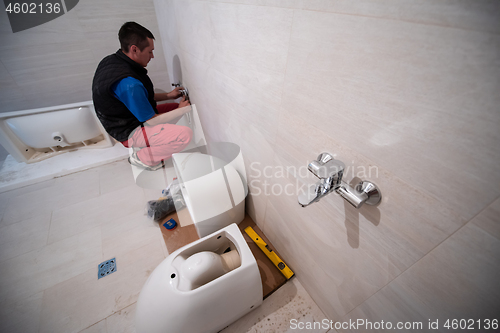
[(125, 102)]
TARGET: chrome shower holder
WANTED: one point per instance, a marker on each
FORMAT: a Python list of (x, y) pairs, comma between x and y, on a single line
[(330, 173)]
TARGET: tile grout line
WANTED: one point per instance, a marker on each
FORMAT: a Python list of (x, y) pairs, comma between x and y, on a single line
[(279, 113), (356, 15), (425, 255), (50, 226), (41, 308), (209, 65)]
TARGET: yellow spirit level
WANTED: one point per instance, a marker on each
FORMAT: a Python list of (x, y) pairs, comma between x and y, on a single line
[(284, 269)]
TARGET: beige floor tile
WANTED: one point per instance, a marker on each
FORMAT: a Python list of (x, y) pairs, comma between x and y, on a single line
[(4, 200), (33, 272), (26, 206), (92, 213), (83, 300), (62, 192), (30, 188), (137, 219), (115, 176), (76, 187), (129, 233), (281, 312), (123, 321), (100, 327), (152, 194), (163, 245), (25, 236), (21, 316)]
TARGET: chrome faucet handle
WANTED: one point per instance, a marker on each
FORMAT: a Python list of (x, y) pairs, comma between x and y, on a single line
[(326, 166), (330, 173), (185, 93)]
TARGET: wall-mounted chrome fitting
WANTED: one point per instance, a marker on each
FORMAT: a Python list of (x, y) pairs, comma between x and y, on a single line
[(330, 173), (184, 92)]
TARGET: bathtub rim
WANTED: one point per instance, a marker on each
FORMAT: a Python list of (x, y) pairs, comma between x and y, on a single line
[(15, 147)]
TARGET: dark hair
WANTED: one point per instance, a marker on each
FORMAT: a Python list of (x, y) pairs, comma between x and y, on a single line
[(132, 33)]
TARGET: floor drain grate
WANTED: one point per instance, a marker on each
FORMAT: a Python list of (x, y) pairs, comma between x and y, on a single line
[(107, 267)]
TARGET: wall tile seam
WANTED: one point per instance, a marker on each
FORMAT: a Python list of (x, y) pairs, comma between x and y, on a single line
[(286, 66), (424, 256), (18, 87), (249, 4), (28, 83), (229, 78), (83, 13), (359, 15), (263, 217), (474, 217), (443, 203), (406, 21), (273, 159), (63, 47), (160, 29), (188, 51), (160, 42), (210, 67), (179, 45), (280, 107), (8, 72)]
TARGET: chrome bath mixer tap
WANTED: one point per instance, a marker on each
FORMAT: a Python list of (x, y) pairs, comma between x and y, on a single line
[(330, 173)]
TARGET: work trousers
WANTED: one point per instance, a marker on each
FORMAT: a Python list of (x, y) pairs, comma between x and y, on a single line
[(159, 142)]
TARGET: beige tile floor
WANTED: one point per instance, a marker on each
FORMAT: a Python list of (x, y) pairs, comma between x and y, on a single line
[(53, 234)]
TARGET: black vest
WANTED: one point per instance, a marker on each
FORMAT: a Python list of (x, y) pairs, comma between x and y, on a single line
[(116, 118)]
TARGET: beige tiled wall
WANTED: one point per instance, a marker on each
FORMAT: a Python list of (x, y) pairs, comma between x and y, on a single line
[(407, 90), (54, 63)]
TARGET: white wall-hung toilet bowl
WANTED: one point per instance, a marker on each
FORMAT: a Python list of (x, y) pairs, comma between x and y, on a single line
[(194, 290)]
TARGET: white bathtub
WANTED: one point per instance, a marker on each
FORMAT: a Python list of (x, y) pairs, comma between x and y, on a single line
[(34, 135)]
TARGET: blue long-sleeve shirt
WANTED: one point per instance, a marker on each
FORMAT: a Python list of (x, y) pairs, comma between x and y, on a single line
[(134, 95)]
